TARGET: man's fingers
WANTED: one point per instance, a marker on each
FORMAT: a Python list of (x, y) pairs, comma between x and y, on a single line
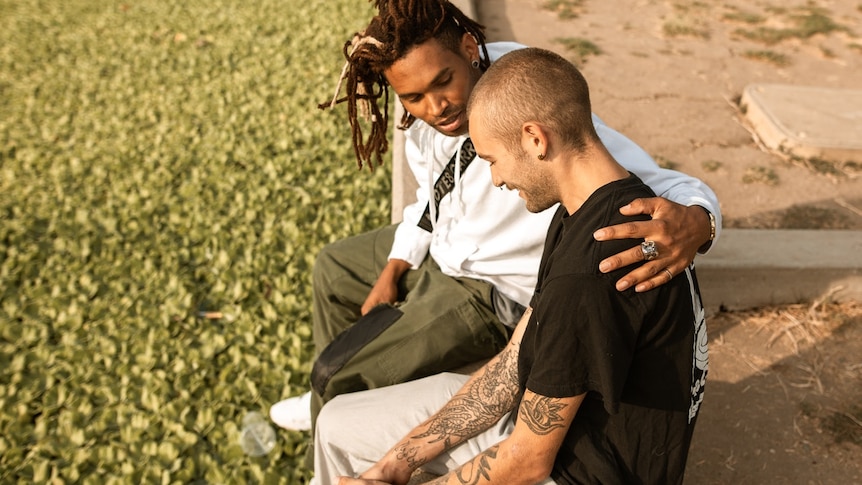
[(650, 229), (619, 231), (642, 206), (645, 278), (620, 260)]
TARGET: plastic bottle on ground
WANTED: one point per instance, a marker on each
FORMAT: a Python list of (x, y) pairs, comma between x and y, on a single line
[(258, 437)]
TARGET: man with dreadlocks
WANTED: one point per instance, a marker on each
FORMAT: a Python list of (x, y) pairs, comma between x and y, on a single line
[(596, 385), (445, 287)]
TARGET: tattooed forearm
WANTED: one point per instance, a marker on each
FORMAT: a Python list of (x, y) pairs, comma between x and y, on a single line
[(541, 414), (480, 467), (485, 401), (499, 384), (472, 471), (409, 454)]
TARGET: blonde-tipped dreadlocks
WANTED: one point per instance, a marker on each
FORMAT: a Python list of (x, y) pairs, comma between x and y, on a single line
[(398, 27)]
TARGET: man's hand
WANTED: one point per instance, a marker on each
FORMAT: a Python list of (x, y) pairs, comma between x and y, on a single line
[(380, 474), (385, 289), (382, 292), (677, 231)]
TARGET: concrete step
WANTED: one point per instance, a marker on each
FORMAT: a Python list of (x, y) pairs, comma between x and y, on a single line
[(756, 267)]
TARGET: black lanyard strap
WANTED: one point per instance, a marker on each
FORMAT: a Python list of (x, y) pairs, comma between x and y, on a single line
[(446, 182)]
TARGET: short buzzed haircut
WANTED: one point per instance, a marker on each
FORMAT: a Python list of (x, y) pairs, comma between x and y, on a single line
[(534, 84)]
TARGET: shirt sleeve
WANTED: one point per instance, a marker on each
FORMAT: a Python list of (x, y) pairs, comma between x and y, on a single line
[(411, 242), (670, 184)]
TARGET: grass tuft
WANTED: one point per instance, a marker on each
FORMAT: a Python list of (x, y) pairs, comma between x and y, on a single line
[(807, 22), (711, 165), (769, 56), (580, 48), (760, 175), (745, 17), (680, 28), (565, 9)]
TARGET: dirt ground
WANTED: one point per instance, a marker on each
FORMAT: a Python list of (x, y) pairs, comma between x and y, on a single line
[(785, 383)]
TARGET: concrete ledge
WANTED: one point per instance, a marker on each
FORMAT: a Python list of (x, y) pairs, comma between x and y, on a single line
[(755, 267)]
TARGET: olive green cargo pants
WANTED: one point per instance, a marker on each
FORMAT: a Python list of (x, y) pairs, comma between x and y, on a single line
[(446, 323)]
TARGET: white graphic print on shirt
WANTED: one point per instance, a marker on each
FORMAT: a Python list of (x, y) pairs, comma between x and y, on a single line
[(700, 363)]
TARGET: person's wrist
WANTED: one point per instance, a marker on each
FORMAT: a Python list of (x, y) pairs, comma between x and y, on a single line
[(705, 246)]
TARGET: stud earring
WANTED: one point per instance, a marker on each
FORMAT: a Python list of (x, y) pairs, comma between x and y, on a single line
[(475, 63), (541, 156)]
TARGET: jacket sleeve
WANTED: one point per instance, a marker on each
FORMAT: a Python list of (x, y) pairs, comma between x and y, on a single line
[(411, 242), (670, 184)]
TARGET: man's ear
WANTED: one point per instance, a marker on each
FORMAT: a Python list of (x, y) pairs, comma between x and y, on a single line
[(534, 140), (469, 46)]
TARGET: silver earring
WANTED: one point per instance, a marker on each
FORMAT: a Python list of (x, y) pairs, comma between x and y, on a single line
[(475, 63), (541, 156)]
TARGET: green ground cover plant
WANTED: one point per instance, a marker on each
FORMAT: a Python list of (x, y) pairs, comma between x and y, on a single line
[(166, 181)]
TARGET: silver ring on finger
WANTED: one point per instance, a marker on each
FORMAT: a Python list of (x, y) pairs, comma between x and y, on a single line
[(649, 250), (669, 274)]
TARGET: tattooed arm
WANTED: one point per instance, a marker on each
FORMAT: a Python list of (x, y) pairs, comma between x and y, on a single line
[(527, 456), (489, 394)]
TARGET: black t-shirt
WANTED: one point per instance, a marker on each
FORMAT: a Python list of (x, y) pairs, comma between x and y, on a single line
[(640, 357)]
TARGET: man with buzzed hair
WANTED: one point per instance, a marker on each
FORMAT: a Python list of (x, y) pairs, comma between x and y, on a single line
[(445, 287), (596, 385)]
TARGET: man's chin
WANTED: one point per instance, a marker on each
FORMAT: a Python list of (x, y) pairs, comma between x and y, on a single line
[(453, 129), (458, 132)]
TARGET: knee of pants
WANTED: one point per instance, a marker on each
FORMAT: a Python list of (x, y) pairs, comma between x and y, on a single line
[(333, 420)]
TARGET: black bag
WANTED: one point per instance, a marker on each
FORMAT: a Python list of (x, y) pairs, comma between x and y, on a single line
[(349, 342)]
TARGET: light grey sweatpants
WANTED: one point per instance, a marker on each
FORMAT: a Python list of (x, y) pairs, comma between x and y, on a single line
[(355, 430)]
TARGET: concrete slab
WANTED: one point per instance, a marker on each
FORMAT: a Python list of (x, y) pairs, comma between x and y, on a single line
[(749, 268), (809, 122)]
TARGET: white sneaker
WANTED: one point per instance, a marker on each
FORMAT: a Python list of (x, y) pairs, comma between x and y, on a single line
[(293, 413)]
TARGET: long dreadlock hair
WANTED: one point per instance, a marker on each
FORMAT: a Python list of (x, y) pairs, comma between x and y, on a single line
[(399, 26)]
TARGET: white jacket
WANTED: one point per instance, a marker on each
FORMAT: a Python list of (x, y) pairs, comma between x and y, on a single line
[(486, 233)]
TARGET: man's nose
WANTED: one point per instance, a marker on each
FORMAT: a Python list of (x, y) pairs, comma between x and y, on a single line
[(497, 181), (437, 105)]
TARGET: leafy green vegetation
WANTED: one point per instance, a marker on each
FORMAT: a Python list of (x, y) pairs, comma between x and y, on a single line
[(161, 160)]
